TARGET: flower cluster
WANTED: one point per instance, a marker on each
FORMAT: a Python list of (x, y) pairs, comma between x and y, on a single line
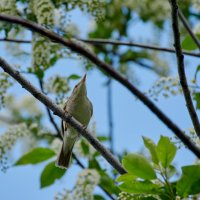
[(86, 182), (128, 196), (8, 7), (8, 140), (59, 86), (25, 105), (5, 83), (166, 86), (43, 11), (44, 53)]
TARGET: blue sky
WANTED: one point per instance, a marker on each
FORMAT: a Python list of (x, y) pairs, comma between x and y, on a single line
[(131, 121)]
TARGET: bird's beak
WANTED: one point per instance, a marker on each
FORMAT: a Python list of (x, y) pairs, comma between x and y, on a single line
[(84, 78)]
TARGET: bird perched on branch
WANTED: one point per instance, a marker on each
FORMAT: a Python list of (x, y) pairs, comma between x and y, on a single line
[(79, 106)]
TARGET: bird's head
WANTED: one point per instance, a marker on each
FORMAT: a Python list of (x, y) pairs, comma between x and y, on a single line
[(80, 88)]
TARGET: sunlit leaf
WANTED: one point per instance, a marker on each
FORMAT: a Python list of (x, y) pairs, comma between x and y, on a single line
[(189, 181), (50, 174), (139, 166), (166, 151), (140, 187), (36, 156), (151, 146)]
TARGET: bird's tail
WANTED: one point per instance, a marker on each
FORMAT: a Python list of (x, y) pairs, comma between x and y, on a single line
[(64, 157)]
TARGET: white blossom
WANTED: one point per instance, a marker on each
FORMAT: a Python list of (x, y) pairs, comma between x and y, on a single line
[(9, 139), (8, 7), (85, 184), (43, 10)]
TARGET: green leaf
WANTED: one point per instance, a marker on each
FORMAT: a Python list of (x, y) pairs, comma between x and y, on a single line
[(139, 166), (50, 174), (40, 74), (189, 44), (35, 156), (189, 181), (93, 164), (98, 197), (140, 187), (151, 146), (85, 147), (197, 99), (108, 183), (103, 138), (74, 77), (166, 151), (126, 178)]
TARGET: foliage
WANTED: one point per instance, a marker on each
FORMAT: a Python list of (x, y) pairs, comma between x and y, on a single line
[(155, 179)]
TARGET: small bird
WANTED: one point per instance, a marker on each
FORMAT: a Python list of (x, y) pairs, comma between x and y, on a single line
[(79, 106)]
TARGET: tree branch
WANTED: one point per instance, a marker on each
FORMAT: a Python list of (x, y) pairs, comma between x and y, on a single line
[(187, 27), (109, 69), (133, 44), (65, 116), (110, 112), (15, 40), (181, 70), (115, 43)]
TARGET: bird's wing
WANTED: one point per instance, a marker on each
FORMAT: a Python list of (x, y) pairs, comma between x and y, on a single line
[(63, 123), (91, 106)]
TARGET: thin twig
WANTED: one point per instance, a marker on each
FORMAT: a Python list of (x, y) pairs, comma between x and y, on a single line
[(15, 40), (114, 42), (188, 28), (49, 113), (113, 73), (110, 111), (144, 65), (181, 69), (64, 115), (133, 44)]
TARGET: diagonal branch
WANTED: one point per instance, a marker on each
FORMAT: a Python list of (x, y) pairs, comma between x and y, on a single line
[(65, 116), (181, 70), (98, 41), (108, 69), (187, 27)]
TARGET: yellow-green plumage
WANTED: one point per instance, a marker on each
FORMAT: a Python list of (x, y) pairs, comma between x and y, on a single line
[(79, 106)]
